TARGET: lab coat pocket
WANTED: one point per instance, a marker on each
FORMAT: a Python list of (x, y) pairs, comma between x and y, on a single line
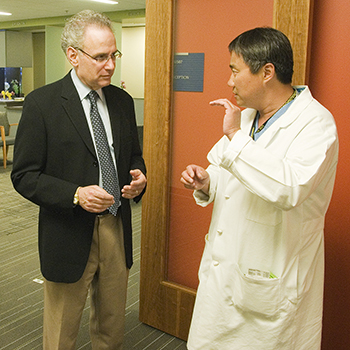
[(250, 294)]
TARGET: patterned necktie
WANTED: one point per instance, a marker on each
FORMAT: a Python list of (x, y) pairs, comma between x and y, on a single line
[(109, 173)]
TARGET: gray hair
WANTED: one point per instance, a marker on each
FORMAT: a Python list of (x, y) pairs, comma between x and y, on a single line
[(74, 29)]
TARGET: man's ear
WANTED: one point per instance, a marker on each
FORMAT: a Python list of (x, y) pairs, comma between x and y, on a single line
[(269, 71), (72, 56)]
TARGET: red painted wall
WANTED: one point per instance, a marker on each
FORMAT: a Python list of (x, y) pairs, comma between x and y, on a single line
[(206, 27), (329, 82)]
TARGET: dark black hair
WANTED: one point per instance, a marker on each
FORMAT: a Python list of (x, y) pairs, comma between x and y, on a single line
[(265, 45)]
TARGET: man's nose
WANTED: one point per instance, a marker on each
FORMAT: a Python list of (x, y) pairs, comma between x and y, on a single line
[(110, 64), (230, 81)]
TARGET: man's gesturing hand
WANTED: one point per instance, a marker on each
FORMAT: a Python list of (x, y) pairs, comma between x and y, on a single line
[(232, 118), (94, 199), (195, 178)]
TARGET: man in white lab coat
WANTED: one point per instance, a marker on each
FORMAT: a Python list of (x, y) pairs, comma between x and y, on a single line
[(271, 178)]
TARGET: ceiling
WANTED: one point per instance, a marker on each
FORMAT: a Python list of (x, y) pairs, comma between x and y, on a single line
[(24, 9)]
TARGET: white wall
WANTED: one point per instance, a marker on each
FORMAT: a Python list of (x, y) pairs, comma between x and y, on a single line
[(54, 56), (133, 60), (118, 37)]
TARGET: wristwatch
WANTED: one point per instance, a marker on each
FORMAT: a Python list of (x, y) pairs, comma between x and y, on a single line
[(76, 197)]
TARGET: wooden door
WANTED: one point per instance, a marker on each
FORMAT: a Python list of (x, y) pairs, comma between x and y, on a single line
[(164, 304)]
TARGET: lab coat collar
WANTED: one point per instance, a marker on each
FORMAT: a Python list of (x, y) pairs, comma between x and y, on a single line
[(301, 102)]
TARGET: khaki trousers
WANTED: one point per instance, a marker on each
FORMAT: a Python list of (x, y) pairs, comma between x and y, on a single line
[(106, 277)]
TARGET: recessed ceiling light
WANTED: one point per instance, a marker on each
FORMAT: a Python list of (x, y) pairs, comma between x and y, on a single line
[(5, 14), (111, 2)]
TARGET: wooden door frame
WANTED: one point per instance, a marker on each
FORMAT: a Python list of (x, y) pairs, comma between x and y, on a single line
[(163, 304)]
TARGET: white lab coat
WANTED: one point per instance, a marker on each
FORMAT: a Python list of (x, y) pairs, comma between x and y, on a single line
[(270, 199)]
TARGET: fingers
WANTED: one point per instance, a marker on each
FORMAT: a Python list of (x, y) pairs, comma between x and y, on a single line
[(131, 191), (135, 173), (232, 118), (136, 186), (94, 199), (222, 102), (94, 193), (187, 176), (200, 173), (194, 177)]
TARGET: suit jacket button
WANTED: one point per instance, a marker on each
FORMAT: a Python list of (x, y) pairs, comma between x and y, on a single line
[(95, 164)]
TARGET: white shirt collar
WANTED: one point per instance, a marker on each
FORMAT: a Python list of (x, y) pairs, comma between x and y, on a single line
[(82, 89)]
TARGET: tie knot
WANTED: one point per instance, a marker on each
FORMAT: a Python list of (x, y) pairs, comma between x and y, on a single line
[(93, 96)]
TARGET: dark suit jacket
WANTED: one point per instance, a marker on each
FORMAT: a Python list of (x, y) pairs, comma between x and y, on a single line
[(54, 154)]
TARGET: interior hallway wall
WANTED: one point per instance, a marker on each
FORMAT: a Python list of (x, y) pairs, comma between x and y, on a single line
[(38, 59), (133, 67), (329, 80), (55, 58)]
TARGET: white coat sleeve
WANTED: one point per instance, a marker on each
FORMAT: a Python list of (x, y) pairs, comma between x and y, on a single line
[(214, 157), (291, 166)]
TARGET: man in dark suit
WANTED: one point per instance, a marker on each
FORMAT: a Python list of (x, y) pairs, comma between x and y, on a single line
[(85, 234)]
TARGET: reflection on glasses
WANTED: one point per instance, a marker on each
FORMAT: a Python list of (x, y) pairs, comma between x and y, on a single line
[(103, 58)]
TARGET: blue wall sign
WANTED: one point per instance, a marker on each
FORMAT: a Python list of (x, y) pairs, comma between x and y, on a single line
[(188, 72)]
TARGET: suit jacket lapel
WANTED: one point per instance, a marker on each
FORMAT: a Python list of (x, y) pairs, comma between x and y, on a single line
[(74, 109)]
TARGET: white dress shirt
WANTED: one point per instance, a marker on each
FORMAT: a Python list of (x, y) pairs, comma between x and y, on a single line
[(83, 91)]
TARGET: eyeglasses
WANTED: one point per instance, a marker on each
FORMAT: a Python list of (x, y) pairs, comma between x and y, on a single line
[(103, 58)]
